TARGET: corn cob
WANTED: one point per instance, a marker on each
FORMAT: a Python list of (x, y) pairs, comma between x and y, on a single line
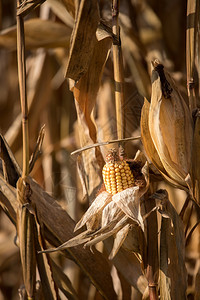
[(117, 174)]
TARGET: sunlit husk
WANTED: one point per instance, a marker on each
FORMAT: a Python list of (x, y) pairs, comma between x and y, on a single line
[(146, 137), (116, 218), (114, 215), (93, 215), (169, 130)]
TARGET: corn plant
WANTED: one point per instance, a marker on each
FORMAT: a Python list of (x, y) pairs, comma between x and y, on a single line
[(99, 173)]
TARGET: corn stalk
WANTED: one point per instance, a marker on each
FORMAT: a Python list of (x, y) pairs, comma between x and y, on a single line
[(118, 71)]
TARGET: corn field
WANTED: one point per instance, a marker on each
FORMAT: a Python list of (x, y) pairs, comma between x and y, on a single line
[(99, 149)]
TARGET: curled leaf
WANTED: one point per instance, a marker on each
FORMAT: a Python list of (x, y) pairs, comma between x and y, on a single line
[(94, 210), (172, 251), (128, 201)]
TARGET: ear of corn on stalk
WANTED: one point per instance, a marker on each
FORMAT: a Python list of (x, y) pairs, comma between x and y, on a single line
[(169, 127), (117, 174)]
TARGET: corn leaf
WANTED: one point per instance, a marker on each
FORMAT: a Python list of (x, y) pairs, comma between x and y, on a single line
[(38, 33), (61, 226), (129, 266), (62, 11), (11, 169), (82, 45), (27, 234), (40, 75), (85, 92), (63, 282), (69, 5), (49, 287), (172, 252)]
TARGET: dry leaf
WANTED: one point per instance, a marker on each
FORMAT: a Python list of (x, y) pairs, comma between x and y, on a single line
[(129, 266), (11, 168), (119, 240), (95, 209), (37, 150), (38, 33), (109, 230), (145, 33), (85, 92), (71, 6), (135, 241), (85, 65), (26, 232), (129, 202), (45, 268), (111, 213), (63, 8), (40, 75), (94, 264), (63, 282), (172, 251), (59, 226), (111, 216), (82, 44)]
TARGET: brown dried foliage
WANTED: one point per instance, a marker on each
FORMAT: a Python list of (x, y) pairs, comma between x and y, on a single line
[(141, 243)]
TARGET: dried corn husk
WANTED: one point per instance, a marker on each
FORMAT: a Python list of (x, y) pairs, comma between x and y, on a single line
[(116, 215), (168, 133)]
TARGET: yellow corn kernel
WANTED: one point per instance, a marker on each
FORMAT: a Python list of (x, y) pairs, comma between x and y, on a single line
[(117, 175), (119, 186), (119, 179), (124, 180), (125, 186), (127, 171)]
